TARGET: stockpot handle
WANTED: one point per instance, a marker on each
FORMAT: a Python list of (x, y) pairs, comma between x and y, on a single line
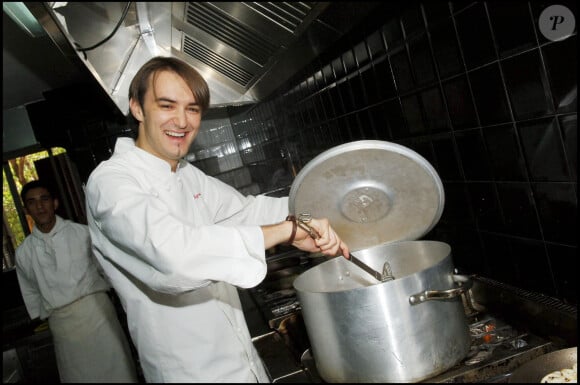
[(464, 281)]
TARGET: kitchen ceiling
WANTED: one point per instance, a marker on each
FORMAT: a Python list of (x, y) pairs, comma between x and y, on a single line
[(32, 66), (245, 50)]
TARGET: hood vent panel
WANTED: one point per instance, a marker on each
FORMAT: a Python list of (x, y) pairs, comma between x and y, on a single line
[(286, 15), (229, 31), (218, 63)]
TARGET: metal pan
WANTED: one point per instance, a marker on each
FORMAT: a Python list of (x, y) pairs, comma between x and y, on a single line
[(536, 369)]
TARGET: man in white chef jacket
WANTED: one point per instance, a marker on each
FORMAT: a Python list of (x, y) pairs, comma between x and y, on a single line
[(60, 280), (175, 243)]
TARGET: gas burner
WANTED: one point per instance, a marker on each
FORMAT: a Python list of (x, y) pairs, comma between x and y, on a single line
[(490, 333)]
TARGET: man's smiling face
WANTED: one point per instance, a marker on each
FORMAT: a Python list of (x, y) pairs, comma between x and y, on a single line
[(170, 117)]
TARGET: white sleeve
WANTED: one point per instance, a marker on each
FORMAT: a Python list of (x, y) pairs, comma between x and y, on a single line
[(28, 288), (135, 230)]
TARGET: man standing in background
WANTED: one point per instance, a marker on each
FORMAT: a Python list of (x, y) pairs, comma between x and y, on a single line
[(60, 280)]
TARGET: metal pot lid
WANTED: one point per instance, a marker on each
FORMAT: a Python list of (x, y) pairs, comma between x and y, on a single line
[(372, 192)]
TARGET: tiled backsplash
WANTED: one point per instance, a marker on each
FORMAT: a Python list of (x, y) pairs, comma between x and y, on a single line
[(477, 90)]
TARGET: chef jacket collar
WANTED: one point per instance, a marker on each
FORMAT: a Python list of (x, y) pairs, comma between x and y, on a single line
[(46, 236), (154, 164)]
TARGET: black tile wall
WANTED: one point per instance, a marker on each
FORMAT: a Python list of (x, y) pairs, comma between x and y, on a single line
[(456, 214), (467, 252), (336, 100), (402, 71), (361, 54), (490, 95), (413, 116), (518, 209), (355, 126), (338, 68), (474, 160), (366, 125), (527, 85), (486, 207), (433, 106), (349, 61), (424, 148), (499, 258), (421, 58), (328, 74), (344, 129), (380, 125), (533, 268), (360, 99), (557, 208), (544, 150), (395, 119), (506, 158), (346, 95), (412, 20), (510, 40), (375, 45), (436, 11), (475, 36), (479, 92), (561, 258), (445, 49), (369, 81), (392, 33), (569, 127), (560, 61), (445, 160), (385, 80), (460, 103)]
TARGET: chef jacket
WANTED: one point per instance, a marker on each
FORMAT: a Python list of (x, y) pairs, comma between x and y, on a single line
[(175, 245), (56, 268), (60, 280)]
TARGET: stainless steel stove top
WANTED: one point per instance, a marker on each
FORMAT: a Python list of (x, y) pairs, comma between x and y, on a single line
[(499, 346)]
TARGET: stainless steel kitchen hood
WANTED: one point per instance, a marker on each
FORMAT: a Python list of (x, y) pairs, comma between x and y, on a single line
[(245, 50)]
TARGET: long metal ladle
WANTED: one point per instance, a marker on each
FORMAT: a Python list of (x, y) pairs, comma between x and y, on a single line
[(385, 276)]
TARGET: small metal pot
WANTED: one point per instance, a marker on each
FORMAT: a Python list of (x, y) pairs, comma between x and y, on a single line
[(404, 330)]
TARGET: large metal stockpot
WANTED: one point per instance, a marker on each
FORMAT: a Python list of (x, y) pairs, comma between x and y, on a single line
[(380, 197), (404, 330)]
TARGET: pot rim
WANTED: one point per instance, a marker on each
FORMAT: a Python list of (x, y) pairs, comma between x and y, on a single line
[(377, 285)]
